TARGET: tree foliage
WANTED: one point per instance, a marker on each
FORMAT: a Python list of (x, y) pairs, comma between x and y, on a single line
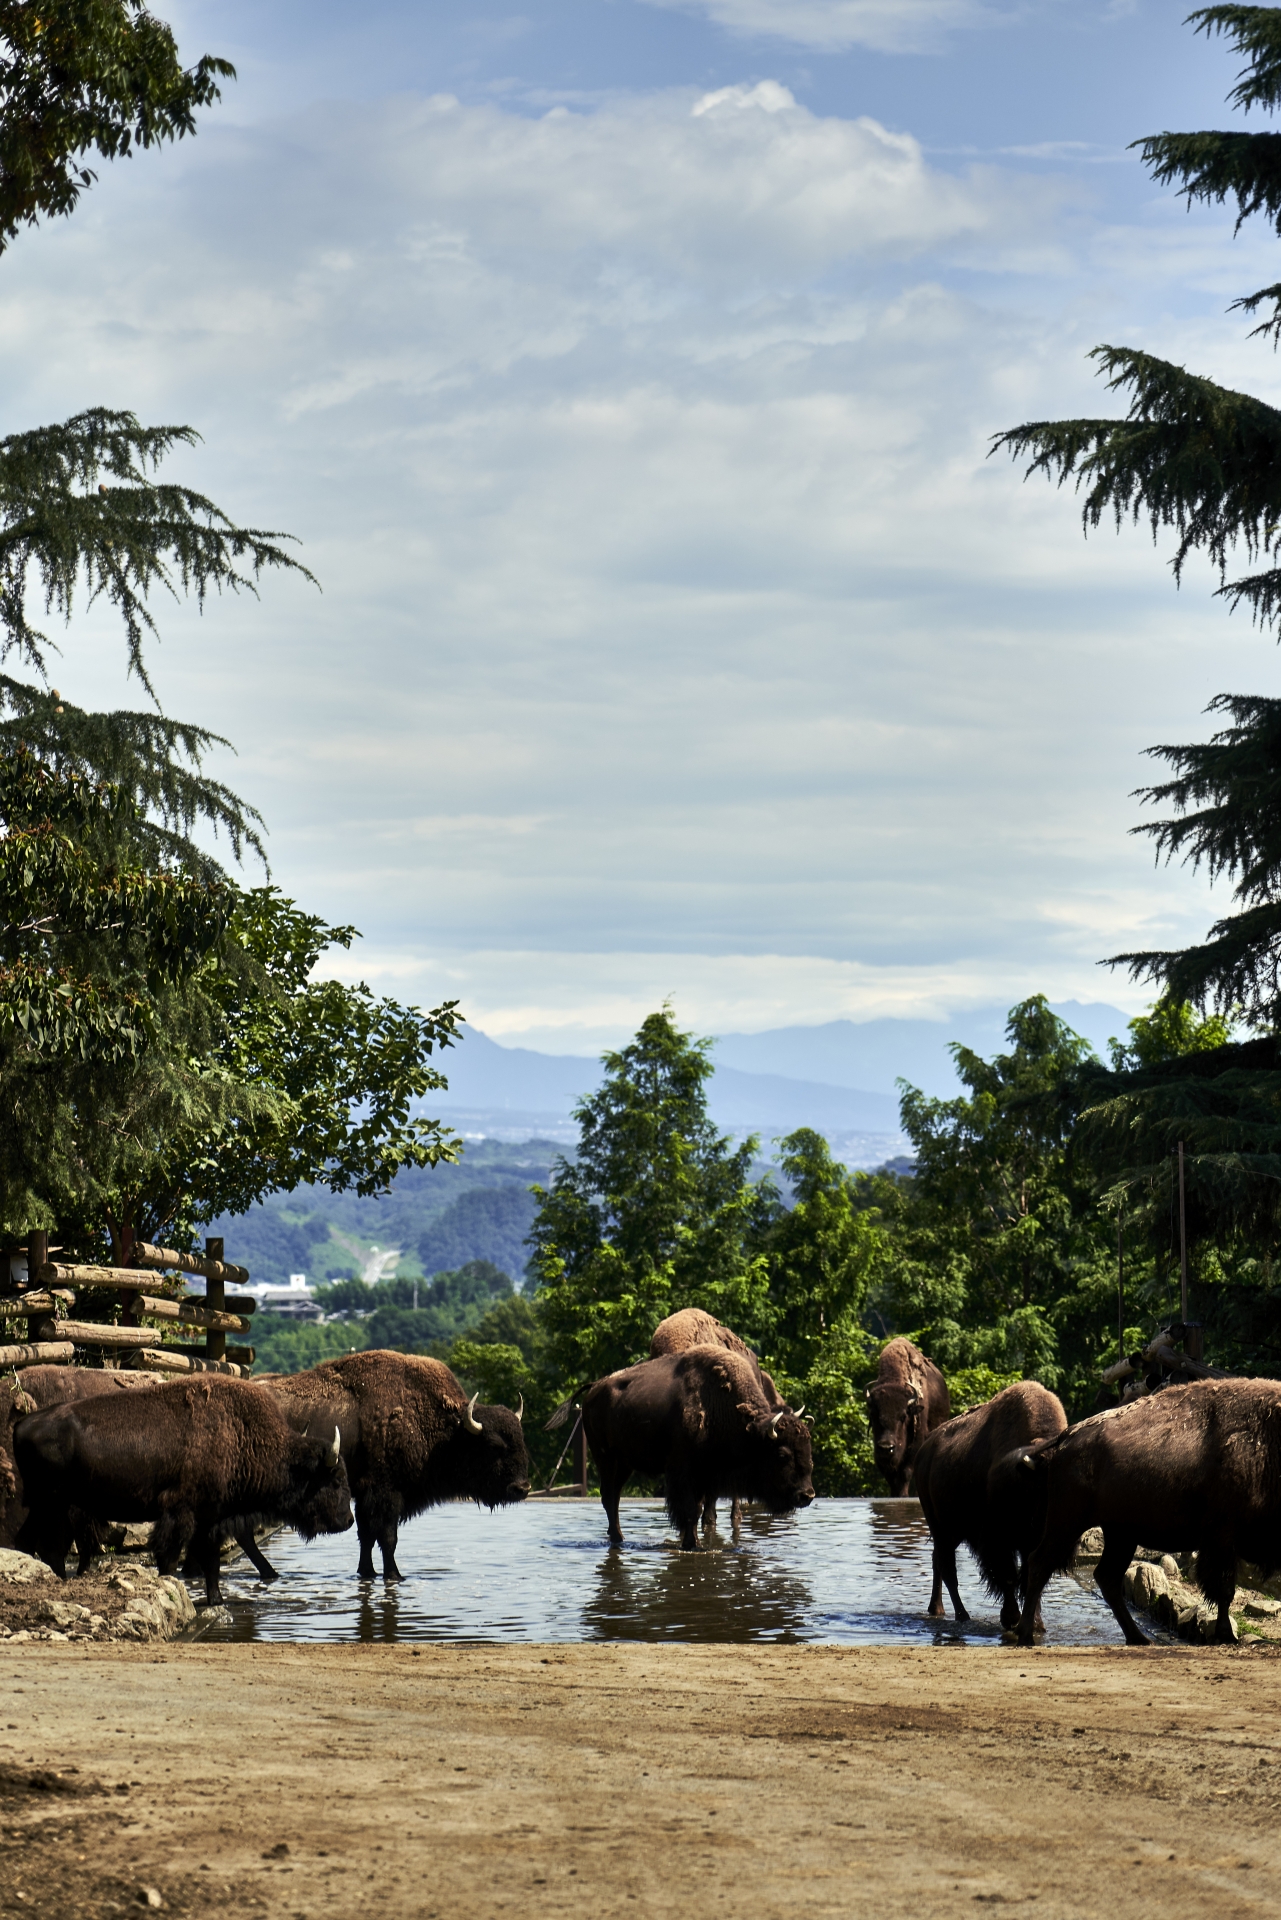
[(82, 76), (652, 1214), (1190, 455), (1000, 1255)]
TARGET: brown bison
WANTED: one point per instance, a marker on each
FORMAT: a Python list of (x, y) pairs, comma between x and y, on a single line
[(53, 1386), (700, 1420), (691, 1327), (205, 1452), (907, 1400), (1190, 1468), (411, 1440), (966, 1496)]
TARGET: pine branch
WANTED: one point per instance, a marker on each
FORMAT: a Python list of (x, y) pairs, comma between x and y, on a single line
[(1245, 167), (1190, 455), (154, 761), (59, 519), (1255, 32)]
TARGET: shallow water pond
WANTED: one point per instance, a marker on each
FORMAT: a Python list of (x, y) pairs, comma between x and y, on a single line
[(849, 1572)]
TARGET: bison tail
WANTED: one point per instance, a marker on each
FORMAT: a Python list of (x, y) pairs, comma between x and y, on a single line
[(560, 1416)]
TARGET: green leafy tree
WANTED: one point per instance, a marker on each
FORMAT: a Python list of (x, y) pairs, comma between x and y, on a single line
[(652, 1214), (86, 76), (822, 1253), (1001, 1258), (91, 948), (258, 1079)]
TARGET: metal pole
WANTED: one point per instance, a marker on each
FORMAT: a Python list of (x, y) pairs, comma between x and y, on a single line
[(580, 1456), (1183, 1245), (1120, 1293)]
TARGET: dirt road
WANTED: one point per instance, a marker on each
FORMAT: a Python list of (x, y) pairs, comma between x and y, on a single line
[(781, 1781)]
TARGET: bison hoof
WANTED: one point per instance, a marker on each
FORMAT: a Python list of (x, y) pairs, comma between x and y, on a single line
[(935, 1610)]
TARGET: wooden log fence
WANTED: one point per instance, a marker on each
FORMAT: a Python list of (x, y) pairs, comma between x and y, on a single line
[(55, 1286), (38, 1353)]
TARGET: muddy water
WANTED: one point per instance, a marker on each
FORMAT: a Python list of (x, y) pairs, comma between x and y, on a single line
[(847, 1572)]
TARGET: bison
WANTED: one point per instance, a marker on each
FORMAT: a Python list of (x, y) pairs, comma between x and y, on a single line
[(411, 1440), (907, 1400), (966, 1495), (691, 1327), (699, 1419), (1190, 1468), (207, 1452), (51, 1387)]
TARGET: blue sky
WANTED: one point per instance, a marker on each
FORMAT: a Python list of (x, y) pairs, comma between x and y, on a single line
[(627, 370)]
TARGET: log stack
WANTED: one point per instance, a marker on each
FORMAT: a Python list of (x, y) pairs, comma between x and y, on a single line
[(147, 1296)]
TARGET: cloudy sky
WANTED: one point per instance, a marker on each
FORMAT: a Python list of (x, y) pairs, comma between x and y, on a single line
[(627, 370)]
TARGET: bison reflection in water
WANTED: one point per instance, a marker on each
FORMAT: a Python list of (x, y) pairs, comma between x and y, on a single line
[(700, 1420), (197, 1458), (411, 1440), (726, 1596)]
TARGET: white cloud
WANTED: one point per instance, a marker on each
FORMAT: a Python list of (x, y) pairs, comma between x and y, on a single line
[(673, 611), (833, 26)]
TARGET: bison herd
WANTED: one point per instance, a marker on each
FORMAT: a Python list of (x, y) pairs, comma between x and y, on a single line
[(377, 1437)]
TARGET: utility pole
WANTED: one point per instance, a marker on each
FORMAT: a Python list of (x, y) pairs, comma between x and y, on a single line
[(1120, 1290), (1183, 1245)]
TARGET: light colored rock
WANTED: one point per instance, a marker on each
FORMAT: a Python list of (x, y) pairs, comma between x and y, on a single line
[(1090, 1545), (1257, 1608), (1146, 1584), (20, 1570), (1169, 1566)]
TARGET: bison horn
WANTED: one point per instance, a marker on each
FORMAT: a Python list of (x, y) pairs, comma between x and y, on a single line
[(473, 1424), (335, 1447), (520, 1411), (774, 1422), (798, 1411)]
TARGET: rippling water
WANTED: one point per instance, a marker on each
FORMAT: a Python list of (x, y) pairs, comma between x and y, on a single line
[(846, 1571)]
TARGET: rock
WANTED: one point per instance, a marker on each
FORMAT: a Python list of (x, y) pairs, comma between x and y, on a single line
[(1257, 1608), (149, 1897), (1090, 1545), (1169, 1566), (1146, 1584), (20, 1570)]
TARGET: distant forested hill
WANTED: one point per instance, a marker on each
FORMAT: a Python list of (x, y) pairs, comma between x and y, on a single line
[(440, 1218)]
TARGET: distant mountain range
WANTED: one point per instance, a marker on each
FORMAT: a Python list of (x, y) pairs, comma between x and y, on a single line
[(838, 1077)]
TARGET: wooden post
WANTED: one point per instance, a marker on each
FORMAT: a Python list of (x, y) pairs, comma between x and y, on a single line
[(1183, 1245), (216, 1297), (580, 1456), (42, 1327)]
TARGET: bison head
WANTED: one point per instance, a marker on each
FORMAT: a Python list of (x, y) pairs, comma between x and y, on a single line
[(321, 1501), (487, 1460), (783, 1467), (898, 1421)]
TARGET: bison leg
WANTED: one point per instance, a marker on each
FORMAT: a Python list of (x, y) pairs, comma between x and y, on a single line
[(171, 1536), (1216, 1572), (206, 1553), (709, 1514), (244, 1538), (613, 1478), (377, 1523), (945, 1576), (89, 1537), (1052, 1554), (49, 1540), (683, 1509), (1118, 1551)]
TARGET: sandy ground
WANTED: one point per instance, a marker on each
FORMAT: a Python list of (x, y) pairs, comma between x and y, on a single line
[(582, 1780)]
